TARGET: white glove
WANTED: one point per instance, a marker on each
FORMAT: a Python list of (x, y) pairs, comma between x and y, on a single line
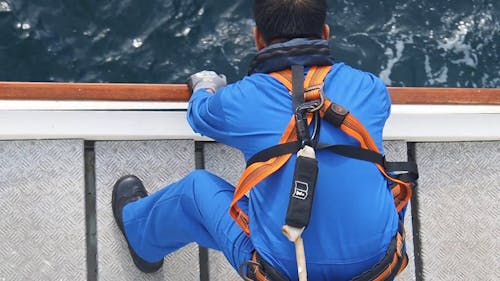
[(206, 80)]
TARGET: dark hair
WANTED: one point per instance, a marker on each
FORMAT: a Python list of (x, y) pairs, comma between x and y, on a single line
[(287, 19)]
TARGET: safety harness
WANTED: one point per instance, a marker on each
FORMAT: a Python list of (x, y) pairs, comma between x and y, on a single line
[(310, 106)]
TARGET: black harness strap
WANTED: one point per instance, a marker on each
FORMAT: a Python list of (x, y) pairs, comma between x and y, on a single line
[(274, 151), (406, 171), (355, 152), (297, 79), (305, 174), (261, 270)]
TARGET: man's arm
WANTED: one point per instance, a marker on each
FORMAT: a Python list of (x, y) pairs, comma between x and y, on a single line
[(205, 111)]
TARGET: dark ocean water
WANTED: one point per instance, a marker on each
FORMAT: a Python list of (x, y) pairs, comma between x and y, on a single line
[(452, 43)]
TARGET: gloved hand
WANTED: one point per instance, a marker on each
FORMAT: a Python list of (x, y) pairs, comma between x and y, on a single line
[(206, 80)]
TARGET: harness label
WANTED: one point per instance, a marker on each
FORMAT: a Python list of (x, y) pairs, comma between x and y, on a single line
[(301, 190)]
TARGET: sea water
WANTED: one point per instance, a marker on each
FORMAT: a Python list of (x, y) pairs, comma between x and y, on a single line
[(439, 43)]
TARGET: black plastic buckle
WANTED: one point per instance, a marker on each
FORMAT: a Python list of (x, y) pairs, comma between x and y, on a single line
[(336, 114)]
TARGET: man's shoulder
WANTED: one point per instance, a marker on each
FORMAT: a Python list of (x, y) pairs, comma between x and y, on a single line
[(359, 90), (349, 81), (343, 71), (257, 83), (256, 78)]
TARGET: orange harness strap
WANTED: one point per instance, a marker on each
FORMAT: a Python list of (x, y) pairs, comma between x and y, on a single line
[(256, 172), (351, 126)]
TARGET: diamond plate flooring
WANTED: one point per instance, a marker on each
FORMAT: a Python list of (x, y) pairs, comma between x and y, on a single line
[(157, 163), (42, 230), (458, 193)]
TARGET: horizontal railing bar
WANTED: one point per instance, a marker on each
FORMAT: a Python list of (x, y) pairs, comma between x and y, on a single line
[(414, 123), (93, 91), (180, 93), (465, 96)]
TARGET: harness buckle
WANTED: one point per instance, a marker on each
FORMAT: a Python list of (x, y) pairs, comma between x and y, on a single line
[(318, 105), (314, 87)]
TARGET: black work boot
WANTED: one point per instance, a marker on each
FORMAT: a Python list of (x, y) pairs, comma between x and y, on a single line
[(126, 190)]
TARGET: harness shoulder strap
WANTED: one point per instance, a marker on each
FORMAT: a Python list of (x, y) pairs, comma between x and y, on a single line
[(340, 117)]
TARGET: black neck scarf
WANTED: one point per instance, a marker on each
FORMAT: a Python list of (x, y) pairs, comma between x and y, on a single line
[(298, 51)]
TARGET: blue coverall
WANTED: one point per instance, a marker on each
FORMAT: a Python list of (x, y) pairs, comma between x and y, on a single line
[(353, 216)]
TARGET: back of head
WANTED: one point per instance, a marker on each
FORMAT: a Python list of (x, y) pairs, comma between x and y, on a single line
[(282, 20)]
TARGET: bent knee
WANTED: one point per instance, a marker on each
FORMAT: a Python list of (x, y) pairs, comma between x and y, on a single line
[(200, 174), (205, 182)]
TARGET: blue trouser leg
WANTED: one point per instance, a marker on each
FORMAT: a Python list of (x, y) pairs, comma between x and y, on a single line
[(194, 209)]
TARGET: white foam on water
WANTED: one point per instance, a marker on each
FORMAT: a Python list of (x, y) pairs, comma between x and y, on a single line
[(201, 11), (23, 25), (456, 43), (393, 59), (101, 35), (184, 33), (437, 77), (4, 7), (137, 42)]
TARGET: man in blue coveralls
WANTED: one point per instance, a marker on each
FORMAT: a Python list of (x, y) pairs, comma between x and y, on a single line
[(353, 218)]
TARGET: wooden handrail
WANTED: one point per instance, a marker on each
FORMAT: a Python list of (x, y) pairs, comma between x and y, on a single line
[(93, 91), (180, 93), (465, 96)]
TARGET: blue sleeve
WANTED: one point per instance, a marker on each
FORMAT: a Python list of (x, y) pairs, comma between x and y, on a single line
[(239, 114), (206, 115)]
